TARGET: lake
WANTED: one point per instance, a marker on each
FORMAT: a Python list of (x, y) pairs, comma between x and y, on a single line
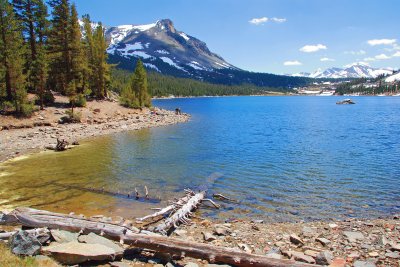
[(280, 158)]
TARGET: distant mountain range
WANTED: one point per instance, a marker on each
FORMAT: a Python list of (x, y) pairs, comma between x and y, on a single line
[(166, 50), (357, 70)]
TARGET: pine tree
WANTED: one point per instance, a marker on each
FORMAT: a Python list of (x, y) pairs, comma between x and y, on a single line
[(101, 69), (11, 55), (33, 14), (75, 76), (58, 46), (88, 66), (139, 85)]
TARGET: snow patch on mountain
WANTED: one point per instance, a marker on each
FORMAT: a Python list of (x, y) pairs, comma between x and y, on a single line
[(151, 66), (393, 78), (184, 36), (163, 52), (171, 62)]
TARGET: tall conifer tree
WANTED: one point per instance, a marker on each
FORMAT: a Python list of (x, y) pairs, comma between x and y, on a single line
[(11, 55)]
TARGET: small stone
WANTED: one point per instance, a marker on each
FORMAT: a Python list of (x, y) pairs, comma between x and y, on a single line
[(338, 262), (333, 226), (353, 236), (308, 231), (295, 239), (169, 265), (382, 240), (274, 256), (325, 242), (24, 244), (393, 255), (191, 264), (217, 265), (364, 264), (257, 221), (299, 256), (180, 232), (373, 254), (209, 237), (245, 247), (311, 253), (395, 247), (119, 264), (205, 223), (324, 258), (354, 255), (255, 227), (221, 230)]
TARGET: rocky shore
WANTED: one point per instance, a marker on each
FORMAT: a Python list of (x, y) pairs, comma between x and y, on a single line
[(359, 243), (18, 137)]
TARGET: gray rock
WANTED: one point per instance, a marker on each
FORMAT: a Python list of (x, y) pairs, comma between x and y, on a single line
[(221, 230), (299, 256), (308, 231), (274, 250), (209, 237), (24, 244), (325, 242), (393, 255), (296, 240), (169, 265), (395, 247), (74, 252), (364, 264), (92, 238), (353, 236), (217, 265), (257, 221), (381, 240), (61, 236), (324, 258), (274, 256), (191, 264)]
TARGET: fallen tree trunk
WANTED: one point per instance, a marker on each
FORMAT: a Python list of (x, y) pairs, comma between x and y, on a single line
[(182, 215), (36, 218), (35, 232)]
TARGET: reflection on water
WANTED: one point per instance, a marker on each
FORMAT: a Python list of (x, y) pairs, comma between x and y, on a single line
[(281, 158)]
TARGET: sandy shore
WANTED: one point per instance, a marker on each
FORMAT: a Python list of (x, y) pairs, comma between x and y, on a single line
[(19, 137)]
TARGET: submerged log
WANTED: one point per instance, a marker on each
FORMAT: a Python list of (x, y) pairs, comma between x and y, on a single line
[(182, 215), (37, 218), (61, 145)]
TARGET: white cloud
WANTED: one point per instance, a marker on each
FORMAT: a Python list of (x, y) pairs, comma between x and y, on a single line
[(313, 48), (382, 57), (369, 59), (261, 21), (278, 20), (358, 53), (375, 42), (258, 21), (292, 63), (379, 57), (326, 59), (397, 54)]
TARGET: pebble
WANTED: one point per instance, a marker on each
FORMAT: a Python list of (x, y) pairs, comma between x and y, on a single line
[(364, 264), (296, 240), (325, 242)]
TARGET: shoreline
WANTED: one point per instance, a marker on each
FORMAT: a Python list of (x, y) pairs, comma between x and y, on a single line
[(17, 142)]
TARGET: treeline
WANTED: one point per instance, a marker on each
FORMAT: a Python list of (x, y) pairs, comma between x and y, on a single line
[(40, 53), (363, 86), (161, 85)]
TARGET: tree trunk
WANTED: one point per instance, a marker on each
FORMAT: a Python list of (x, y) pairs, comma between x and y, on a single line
[(36, 218)]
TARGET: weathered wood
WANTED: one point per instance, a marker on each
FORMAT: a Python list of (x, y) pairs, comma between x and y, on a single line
[(37, 218), (182, 215), (165, 211)]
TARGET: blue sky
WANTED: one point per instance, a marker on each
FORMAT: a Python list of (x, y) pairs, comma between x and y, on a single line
[(280, 36)]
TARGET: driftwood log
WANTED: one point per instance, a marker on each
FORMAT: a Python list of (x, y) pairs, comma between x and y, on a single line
[(37, 218), (35, 232), (182, 215), (61, 145)]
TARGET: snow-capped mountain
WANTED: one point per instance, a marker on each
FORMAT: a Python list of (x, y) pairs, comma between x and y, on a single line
[(357, 70), (165, 49), (160, 46)]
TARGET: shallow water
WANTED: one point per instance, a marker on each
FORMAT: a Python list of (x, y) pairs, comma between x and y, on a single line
[(281, 158)]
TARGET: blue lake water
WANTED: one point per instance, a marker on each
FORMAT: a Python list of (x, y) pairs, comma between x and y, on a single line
[(281, 158)]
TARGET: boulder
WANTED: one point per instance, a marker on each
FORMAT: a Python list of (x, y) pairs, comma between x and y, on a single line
[(395, 247), (75, 253), (61, 236), (92, 238), (24, 244)]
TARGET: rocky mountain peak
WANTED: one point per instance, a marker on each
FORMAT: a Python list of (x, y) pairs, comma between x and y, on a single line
[(166, 24)]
